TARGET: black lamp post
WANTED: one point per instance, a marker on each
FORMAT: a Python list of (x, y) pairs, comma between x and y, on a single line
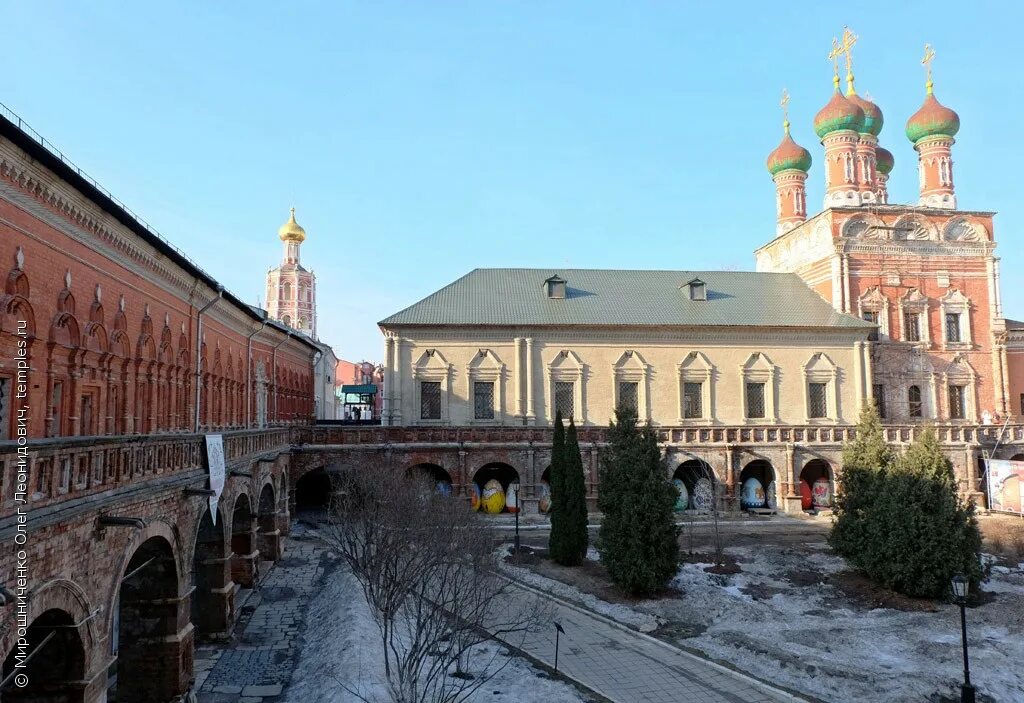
[(960, 586)]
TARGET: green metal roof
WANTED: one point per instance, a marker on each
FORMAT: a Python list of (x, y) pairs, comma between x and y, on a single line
[(508, 297), (360, 389)]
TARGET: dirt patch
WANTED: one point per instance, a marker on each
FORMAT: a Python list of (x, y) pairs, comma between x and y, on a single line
[(1003, 537), (860, 590), (804, 578)]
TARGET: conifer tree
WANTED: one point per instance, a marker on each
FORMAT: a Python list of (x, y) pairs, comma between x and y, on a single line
[(638, 538), (556, 474), (570, 548)]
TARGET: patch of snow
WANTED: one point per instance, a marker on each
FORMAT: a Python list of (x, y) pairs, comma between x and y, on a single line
[(593, 554), (342, 648)]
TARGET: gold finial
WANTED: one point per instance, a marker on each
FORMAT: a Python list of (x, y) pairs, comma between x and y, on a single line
[(293, 214), (929, 56), (784, 103), (833, 56)]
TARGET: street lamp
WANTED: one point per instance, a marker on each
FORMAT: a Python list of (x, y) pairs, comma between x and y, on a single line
[(960, 586)]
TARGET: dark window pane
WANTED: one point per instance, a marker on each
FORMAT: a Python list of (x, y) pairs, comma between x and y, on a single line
[(956, 402), (879, 393), (914, 401), (564, 398), (817, 394), (430, 400), (911, 327), (693, 400), (872, 317), (755, 400), (483, 400), (628, 395), (952, 327)]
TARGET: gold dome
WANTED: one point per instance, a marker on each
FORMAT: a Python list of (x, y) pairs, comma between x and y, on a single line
[(291, 231)]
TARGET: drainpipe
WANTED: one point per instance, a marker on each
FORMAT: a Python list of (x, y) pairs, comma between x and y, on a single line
[(274, 370), (317, 355), (199, 349), (248, 375)]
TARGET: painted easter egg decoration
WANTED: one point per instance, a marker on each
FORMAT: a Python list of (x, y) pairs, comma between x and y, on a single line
[(512, 498), (492, 499), (806, 497), (683, 497), (769, 498), (703, 495), (822, 493), (544, 504), (444, 487), (753, 494), (474, 497)]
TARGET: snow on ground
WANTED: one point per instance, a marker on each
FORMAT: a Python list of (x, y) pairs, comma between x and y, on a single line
[(620, 613), (341, 645), (812, 638)]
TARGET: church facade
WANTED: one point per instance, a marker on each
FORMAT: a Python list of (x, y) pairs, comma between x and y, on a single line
[(864, 302)]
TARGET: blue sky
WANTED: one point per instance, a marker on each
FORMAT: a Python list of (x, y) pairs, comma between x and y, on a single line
[(419, 140)]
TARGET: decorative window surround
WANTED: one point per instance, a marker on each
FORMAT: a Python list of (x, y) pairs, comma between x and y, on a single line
[(873, 301), (759, 369), (914, 303), (566, 366), (486, 366), (960, 373), (432, 366), (821, 369), (697, 368), (630, 366), (956, 302)]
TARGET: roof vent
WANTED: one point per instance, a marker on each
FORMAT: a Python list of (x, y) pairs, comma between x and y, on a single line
[(698, 289), (555, 286)]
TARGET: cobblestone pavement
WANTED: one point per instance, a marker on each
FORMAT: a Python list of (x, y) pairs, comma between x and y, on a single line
[(257, 664)]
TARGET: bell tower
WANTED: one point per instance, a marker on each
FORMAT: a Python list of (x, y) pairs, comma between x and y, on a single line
[(291, 289)]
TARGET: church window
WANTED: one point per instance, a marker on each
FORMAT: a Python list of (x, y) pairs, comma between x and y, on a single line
[(755, 400), (915, 407), (287, 319), (872, 317), (565, 392), (944, 174), (848, 168), (953, 327), (302, 324), (286, 290), (956, 402), (911, 327), (693, 400), (483, 400), (878, 391), (629, 395), (818, 400), (430, 400)]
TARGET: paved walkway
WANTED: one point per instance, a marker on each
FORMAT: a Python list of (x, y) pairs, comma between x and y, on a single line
[(628, 667)]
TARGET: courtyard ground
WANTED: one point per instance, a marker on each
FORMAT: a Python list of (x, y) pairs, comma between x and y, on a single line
[(789, 612)]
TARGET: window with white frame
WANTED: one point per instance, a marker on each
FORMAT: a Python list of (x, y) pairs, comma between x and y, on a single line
[(565, 386), (956, 320), (817, 394), (914, 317), (693, 400), (628, 395), (874, 307), (433, 376), (961, 383), (430, 400), (915, 405), (485, 376), (759, 385), (565, 397), (696, 389), (630, 377), (821, 376), (957, 402), (483, 400), (754, 394)]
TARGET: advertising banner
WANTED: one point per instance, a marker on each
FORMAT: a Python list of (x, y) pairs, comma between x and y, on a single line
[(215, 465), (1006, 486)]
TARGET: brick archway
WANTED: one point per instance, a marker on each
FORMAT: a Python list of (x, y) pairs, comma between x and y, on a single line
[(243, 543), (56, 668), (268, 538), (213, 598)]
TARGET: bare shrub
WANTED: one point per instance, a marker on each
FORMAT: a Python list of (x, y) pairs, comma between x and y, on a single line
[(427, 567)]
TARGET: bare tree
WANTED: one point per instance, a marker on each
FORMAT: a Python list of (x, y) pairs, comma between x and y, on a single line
[(427, 567)]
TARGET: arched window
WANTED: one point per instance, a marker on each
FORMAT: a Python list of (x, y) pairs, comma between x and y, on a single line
[(287, 290), (914, 407), (287, 319)]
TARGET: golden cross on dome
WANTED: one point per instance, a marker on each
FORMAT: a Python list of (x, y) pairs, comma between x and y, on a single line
[(833, 56), (784, 103), (929, 56), (845, 47)]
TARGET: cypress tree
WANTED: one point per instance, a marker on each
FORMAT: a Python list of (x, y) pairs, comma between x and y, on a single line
[(570, 548), (556, 479), (638, 539)]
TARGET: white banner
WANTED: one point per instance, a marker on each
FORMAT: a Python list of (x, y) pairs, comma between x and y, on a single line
[(1006, 486), (215, 464)]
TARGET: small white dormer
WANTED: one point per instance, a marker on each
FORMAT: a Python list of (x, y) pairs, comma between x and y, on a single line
[(698, 289), (555, 286)]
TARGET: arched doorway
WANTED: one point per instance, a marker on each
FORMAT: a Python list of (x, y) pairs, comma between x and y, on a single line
[(212, 599), (313, 491), (435, 475), (243, 551), (493, 481), (544, 492), (757, 485), (154, 660), (56, 665), (269, 537), (816, 486), (696, 485)]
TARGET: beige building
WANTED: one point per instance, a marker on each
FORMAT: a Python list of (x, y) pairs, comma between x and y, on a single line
[(512, 346)]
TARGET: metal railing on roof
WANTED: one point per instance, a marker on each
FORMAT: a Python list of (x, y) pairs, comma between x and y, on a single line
[(26, 129)]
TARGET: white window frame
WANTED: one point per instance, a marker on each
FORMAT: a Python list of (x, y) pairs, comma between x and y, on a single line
[(959, 372), (873, 301), (633, 368), (432, 366), (486, 367), (956, 302), (758, 368), (914, 303), (821, 369), (566, 366), (697, 368)]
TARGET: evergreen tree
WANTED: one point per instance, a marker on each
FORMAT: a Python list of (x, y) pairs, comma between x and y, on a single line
[(556, 480), (638, 537), (570, 548)]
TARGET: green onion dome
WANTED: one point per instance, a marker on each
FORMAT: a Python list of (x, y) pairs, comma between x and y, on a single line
[(788, 154), (872, 114), (933, 119), (839, 113), (883, 160)]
